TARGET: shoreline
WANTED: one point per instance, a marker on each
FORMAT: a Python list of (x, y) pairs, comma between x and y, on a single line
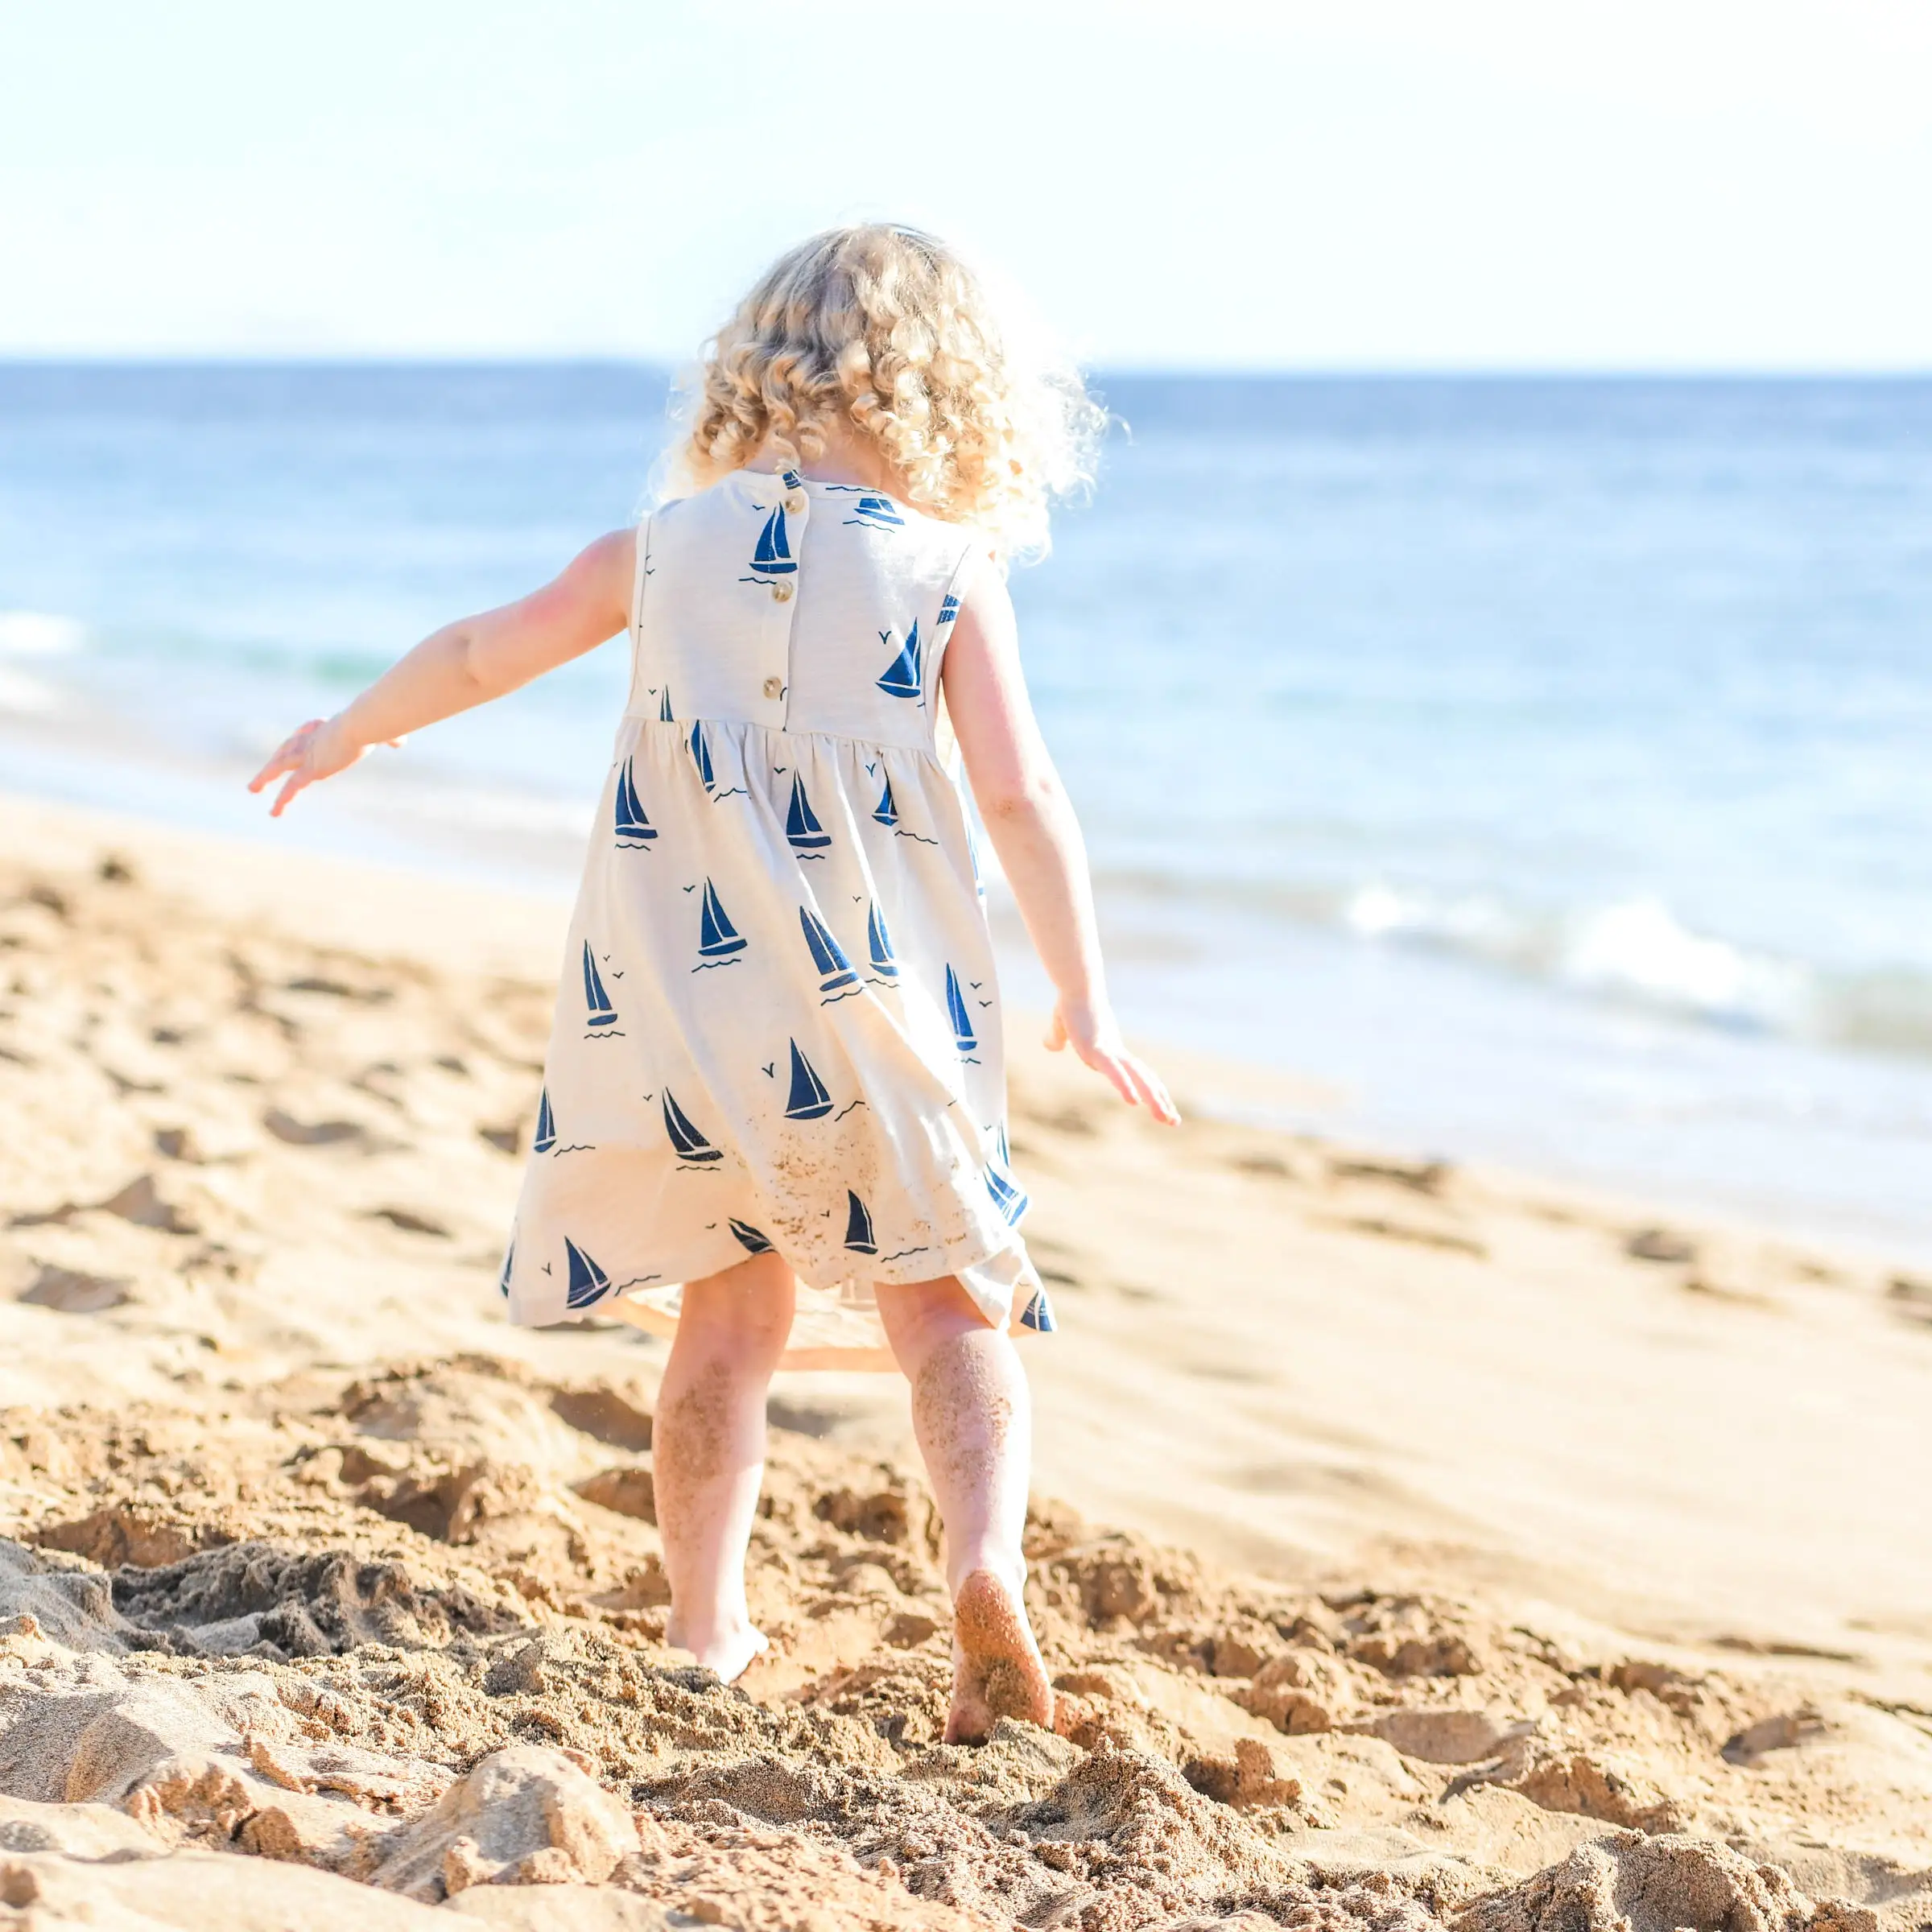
[(1465, 1524)]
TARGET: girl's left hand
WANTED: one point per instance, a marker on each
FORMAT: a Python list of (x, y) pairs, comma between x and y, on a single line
[(318, 749)]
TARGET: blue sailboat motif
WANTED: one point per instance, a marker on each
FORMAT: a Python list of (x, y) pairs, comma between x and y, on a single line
[(633, 829), (1008, 1198), (1039, 1314), (509, 1262), (599, 1010), (753, 1239), (903, 680), (878, 943), (827, 954), (773, 557), (887, 810), (948, 611), (963, 1035), (880, 512), (717, 937), (547, 1126), (588, 1282), (803, 831), (859, 1237), (690, 1144), (700, 755), (808, 1100), (664, 710)]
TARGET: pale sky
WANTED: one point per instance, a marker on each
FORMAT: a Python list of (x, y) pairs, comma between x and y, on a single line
[(1361, 183)]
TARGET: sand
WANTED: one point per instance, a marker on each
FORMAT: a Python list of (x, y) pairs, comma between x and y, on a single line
[(1413, 1545)]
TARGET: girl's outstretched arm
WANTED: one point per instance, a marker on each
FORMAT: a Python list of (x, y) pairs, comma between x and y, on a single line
[(467, 663), (1032, 826)]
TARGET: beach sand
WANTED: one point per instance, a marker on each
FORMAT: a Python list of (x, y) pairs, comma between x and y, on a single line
[(1413, 1544)]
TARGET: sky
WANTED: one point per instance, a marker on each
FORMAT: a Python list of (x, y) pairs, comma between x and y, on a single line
[(1382, 184)]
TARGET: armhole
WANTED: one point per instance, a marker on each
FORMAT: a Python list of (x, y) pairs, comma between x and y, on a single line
[(946, 747), (637, 578)]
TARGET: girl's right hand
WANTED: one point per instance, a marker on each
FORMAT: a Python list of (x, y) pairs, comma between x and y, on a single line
[(1094, 1034), (318, 749)]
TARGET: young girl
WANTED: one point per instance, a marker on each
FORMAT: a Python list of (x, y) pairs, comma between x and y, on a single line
[(773, 1117)]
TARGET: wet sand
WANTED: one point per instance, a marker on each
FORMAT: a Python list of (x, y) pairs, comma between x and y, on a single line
[(1412, 1544)]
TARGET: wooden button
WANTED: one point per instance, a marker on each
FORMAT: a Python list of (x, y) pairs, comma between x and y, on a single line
[(775, 688), (781, 592), (796, 503)]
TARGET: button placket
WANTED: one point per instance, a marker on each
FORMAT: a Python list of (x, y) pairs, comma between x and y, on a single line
[(796, 503)]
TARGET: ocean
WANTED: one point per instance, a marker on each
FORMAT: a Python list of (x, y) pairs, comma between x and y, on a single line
[(1541, 768)]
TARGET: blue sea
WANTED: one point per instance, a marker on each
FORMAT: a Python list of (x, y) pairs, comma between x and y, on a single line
[(1541, 768)]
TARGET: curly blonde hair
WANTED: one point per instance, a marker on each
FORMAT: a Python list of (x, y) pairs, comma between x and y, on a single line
[(884, 329)]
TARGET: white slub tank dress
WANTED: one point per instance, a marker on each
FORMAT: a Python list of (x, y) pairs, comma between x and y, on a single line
[(778, 1026)]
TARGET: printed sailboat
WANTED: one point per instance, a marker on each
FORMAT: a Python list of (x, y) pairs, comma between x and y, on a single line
[(878, 510), (509, 1262), (717, 937), (878, 943), (1039, 1315), (808, 1100), (596, 1001), (948, 611), (803, 831), (751, 1238), (902, 680), (547, 1126), (633, 828), (588, 1282), (835, 969), (887, 812), (773, 557), (858, 1226), (1011, 1203), (664, 710), (700, 755), (963, 1035), (690, 1144)]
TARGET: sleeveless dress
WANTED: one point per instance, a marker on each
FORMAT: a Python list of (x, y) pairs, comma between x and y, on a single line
[(778, 1025)]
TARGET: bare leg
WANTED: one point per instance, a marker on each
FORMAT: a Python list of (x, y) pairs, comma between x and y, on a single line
[(973, 1417), (708, 1452)]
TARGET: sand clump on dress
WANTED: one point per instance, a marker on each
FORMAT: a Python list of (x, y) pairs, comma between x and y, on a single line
[(325, 1597)]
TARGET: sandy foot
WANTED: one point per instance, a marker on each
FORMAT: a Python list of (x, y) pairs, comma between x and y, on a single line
[(731, 1656), (997, 1670)]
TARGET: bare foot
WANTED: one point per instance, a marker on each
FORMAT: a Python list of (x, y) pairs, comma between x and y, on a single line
[(730, 1653), (997, 1670)]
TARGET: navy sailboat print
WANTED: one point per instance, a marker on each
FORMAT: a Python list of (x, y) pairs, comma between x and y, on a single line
[(547, 1126), (858, 1226), (773, 557), (588, 1282), (878, 943), (887, 812), (509, 1262), (963, 1035), (700, 755), (948, 611), (879, 511), (1010, 1201), (633, 829), (751, 1238), (596, 1001), (690, 1144), (808, 1100), (803, 831), (1039, 1315), (902, 680), (834, 967), (664, 710), (717, 937)]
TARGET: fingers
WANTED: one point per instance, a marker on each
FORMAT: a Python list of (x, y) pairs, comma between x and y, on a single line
[(298, 780), (1110, 1069), (1154, 1097), (288, 755)]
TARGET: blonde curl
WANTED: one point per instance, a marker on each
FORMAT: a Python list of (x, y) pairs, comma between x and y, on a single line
[(885, 331)]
